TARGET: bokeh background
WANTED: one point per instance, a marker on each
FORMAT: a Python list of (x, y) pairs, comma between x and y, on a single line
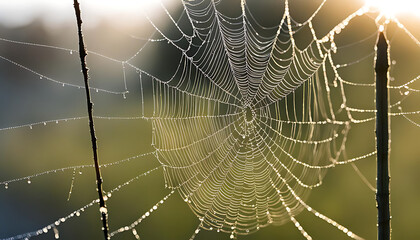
[(117, 29)]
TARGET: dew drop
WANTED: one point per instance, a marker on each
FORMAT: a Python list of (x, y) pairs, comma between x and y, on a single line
[(56, 233), (338, 30), (30, 126), (334, 47), (6, 186), (40, 77), (103, 210), (44, 123), (71, 51), (29, 181)]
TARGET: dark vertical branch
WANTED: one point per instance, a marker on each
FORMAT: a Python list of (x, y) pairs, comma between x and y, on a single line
[(82, 53), (382, 138)]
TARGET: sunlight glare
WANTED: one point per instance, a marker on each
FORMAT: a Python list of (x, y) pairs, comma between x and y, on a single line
[(391, 8)]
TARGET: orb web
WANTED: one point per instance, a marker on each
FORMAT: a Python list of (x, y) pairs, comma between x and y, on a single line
[(237, 158)]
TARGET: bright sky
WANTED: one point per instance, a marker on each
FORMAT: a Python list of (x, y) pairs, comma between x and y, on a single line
[(55, 12), (392, 8)]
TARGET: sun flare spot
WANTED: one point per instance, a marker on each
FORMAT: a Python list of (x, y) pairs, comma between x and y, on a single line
[(392, 8)]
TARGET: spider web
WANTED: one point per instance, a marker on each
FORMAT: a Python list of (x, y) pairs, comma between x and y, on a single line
[(247, 118)]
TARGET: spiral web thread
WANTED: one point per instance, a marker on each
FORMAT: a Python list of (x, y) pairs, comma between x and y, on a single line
[(248, 123)]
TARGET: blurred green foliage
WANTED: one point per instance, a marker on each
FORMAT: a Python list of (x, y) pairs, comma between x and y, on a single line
[(27, 99)]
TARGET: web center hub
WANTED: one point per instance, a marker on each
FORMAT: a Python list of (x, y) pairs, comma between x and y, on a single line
[(249, 114)]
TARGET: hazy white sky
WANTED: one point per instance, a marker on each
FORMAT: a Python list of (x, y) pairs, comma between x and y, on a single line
[(393, 7), (55, 12)]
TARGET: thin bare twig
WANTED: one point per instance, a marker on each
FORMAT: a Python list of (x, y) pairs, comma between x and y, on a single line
[(382, 138), (82, 54)]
